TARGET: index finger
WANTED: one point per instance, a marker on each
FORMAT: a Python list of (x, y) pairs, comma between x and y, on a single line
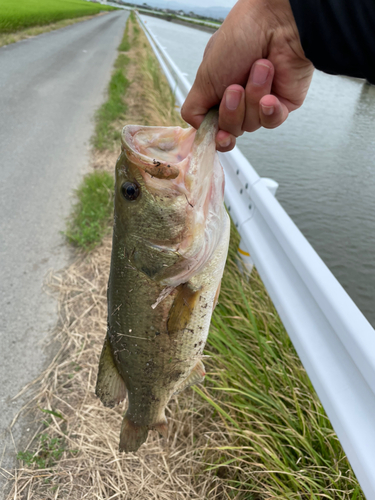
[(198, 102)]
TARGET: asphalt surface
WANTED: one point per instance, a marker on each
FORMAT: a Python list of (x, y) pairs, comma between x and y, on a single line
[(50, 87)]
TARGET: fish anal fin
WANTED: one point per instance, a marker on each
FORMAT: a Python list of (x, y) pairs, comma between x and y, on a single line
[(196, 376), (182, 308), (110, 386), (132, 435)]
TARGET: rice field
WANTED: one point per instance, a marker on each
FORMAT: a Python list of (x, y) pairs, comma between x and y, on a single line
[(21, 14)]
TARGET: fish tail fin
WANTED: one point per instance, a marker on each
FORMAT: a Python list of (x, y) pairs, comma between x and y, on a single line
[(132, 435), (110, 386)]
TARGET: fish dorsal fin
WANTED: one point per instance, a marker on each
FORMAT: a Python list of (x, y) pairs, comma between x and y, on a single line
[(196, 376), (110, 386)]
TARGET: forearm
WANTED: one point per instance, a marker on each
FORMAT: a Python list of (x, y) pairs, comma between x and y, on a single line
[(338, 36)]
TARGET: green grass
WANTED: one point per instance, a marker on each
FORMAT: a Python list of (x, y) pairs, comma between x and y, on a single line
[(114, 108), (50, 451), (22, 14), (283, 445), (125, 42), (93, 211), (131, 24)]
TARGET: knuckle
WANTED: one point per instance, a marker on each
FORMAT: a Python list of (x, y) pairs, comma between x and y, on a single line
[(252, 122), (251, 128), (231, 128), (272, 123), (254, 93)]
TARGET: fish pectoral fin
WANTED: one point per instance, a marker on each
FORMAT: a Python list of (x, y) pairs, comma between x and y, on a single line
[(132, 435), (110, 386), (182, 308), (196, 376)]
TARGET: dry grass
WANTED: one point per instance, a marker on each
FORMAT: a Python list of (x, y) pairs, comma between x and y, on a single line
[(90, 465), (149, 99)]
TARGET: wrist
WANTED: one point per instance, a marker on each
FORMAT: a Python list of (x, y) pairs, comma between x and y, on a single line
[(283, 30)]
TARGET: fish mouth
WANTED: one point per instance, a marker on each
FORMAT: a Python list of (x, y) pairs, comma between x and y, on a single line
[(183, 162), (184, 155), (159, 151)]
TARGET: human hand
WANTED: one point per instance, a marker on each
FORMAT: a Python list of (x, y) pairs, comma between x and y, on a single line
[(255, 67)]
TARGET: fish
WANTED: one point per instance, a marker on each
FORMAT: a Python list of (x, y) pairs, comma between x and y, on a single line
[(170, 244)]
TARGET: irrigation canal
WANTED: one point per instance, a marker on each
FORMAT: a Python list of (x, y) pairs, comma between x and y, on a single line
[(323, 157), (51, 86)]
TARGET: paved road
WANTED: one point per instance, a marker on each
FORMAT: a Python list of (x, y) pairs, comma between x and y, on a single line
[(50, 87)]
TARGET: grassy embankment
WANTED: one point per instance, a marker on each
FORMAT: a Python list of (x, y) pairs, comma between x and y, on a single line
[(26, 18), (170, 17), (255, 431), (212, 25)]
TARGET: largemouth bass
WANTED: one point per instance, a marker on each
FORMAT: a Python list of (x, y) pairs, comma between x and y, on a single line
[(170, 243)]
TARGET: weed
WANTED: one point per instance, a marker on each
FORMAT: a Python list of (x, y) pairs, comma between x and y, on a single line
[(50, 450), (89, 220), (114, 108), (54, 413), (122, 61), (125, 42), (283, 445), (136, 28), (152, 66)]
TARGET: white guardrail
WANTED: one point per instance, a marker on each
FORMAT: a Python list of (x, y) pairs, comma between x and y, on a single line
[(334, 341)]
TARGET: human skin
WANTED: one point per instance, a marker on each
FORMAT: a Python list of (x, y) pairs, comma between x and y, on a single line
[(254, 67)]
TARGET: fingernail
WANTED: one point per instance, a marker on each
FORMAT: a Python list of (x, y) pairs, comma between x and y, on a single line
[(225, 142), (268, 110), (259, 73), (232, 99)]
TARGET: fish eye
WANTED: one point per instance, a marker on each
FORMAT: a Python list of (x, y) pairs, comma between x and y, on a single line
[(130, 191)]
